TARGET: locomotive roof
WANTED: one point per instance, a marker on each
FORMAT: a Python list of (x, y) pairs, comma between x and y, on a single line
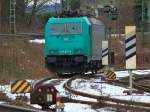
[(89, 21), (64, 20), (96, 21)]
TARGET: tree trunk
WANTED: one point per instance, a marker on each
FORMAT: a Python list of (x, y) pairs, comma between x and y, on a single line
[(20, 10), (26, 3), (0, 16), (4, 15), (33, 12)]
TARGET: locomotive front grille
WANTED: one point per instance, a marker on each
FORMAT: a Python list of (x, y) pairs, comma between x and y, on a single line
[(65, 59)]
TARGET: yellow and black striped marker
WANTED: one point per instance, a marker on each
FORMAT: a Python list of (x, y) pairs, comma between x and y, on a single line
[(110, 75), (20, 86)]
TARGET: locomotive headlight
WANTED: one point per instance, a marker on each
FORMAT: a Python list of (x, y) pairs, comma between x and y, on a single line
[(52, 90), (39, 90)]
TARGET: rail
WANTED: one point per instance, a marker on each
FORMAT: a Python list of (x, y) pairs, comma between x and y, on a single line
[(24, 35), (12, 108), (112, 101)]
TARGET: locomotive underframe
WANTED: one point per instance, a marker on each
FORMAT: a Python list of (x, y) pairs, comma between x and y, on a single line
[(72, 64)]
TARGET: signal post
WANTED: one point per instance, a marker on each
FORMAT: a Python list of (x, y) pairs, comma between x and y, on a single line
[(130, 52)]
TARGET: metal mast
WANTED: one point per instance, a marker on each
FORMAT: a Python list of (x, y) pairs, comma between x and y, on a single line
[(68, 5), (62, 5), (12, 20)]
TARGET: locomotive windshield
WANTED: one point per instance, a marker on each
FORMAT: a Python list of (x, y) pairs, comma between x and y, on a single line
[(66, 28)]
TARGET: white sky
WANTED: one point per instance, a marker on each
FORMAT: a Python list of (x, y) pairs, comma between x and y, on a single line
[(55, 1), (50, 2)]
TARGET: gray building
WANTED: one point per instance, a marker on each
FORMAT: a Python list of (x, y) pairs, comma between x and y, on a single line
[(93, 6)]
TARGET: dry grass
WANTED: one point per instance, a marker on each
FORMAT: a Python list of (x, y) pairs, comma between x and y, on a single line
[(143, 52), (20, 59)]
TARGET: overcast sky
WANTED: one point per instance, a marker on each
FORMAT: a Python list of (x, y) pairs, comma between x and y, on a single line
[(56, 1), (50, 2)]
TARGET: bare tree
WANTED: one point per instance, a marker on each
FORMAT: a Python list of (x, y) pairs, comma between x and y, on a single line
[(33, 11), (126, 12), (37, 4), (0, 14)]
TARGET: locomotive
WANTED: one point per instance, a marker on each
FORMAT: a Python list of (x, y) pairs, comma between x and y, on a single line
[(73, 45)]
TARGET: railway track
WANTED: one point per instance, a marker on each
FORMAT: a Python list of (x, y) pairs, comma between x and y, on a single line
[(20, 108), (24, 35), (112, 102), (136, 83), (102, 100), (142, 87), (39, 82), (11, 108), (51, 81)]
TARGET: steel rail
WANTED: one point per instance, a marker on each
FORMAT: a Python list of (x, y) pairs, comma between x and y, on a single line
[(142, 87), (23, 35), (136, 85), (106, 104), (12, 108), (105, 98)]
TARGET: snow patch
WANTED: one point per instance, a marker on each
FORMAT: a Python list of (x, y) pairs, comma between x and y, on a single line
[(72, 107), (121, 74), (38, 41), (90, 87)]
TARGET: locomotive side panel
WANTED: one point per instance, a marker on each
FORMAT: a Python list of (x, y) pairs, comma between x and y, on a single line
[(98, 34)]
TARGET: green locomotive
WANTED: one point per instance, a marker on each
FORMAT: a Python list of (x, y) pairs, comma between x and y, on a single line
[(73, 45)]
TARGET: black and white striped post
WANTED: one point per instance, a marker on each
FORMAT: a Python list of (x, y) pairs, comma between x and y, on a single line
[(105, 53), (130, 51)]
